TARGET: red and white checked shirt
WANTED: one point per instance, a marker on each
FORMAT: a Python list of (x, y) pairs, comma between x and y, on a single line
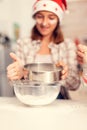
[(27, 49)]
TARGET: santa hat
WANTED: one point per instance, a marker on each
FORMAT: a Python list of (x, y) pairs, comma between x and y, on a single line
[(58, 7)]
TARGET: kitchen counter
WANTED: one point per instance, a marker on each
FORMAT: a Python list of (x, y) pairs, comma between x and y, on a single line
[(60, 115)]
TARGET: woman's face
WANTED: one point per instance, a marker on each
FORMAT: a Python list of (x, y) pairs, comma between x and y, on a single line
[(46, 22)]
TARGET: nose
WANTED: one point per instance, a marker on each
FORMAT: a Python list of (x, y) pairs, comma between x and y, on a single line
[(45, 21)]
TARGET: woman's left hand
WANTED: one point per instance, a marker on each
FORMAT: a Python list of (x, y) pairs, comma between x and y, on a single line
[(64, 71), (82, 53)]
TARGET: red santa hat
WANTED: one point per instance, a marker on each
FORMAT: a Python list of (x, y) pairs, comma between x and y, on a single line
[(58, 7)]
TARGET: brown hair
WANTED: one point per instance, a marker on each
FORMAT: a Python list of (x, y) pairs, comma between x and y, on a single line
[(56, 38)]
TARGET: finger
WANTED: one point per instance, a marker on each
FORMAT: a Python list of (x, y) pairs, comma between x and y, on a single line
[(64, 76), (80, 61), (58, 64), (82, 48), (11, 66), (79, 53), (14, 57), (65, 72), (12, 73), (79, 58), (63, 65), (65, 69), (14, 78)]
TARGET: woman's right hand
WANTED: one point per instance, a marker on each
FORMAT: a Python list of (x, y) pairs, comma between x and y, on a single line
[(15, 70)]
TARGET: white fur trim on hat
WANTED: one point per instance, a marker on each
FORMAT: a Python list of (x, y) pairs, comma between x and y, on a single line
[(48, 5)]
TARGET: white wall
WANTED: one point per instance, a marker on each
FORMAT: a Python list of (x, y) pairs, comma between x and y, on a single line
[(5, 15), (19, 11), (75, 23)]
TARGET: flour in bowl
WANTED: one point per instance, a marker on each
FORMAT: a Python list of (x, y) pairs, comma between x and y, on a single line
[(32, 99)]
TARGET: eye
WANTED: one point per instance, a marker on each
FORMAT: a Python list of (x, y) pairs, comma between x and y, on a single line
[(52, 17), (39, 16)]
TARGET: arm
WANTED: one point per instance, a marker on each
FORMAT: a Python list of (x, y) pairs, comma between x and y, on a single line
[(16, 70), (82, 59), (69, 56)]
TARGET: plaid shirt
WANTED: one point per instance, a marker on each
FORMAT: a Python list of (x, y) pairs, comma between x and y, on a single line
[(66, 51)]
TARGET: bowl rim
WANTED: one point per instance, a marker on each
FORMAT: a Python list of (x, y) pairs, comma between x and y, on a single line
[(20, 83)]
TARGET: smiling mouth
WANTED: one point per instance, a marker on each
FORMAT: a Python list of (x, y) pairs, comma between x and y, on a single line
[(44, 28)]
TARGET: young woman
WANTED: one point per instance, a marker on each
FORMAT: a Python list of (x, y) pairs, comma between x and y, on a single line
[(47, 45)]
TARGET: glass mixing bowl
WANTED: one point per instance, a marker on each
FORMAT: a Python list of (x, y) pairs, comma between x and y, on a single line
[(36, 93), (42, 85)]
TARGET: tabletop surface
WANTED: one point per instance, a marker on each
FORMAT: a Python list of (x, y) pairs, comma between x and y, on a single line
[(13, 102), (59, 115)]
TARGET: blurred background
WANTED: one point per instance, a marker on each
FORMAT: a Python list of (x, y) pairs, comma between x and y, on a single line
[(16, 21)]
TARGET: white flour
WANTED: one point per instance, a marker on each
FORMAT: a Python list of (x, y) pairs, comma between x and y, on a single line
[(38, 99)]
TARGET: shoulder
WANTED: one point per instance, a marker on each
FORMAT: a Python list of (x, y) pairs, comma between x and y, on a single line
[(24, 41), (27, 41), (69, 44)]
